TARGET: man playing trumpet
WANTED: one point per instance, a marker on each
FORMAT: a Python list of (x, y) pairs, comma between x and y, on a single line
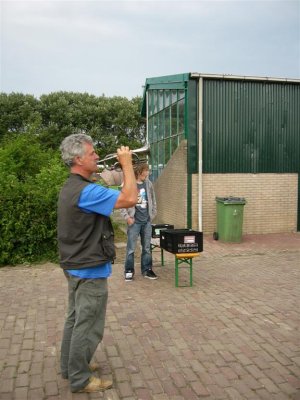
[(86, 250)]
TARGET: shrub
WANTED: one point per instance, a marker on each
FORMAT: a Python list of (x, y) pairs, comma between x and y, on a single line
[(30, 180)]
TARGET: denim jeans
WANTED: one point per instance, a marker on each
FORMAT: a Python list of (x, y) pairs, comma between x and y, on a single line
[(84, 327), (144, 230)]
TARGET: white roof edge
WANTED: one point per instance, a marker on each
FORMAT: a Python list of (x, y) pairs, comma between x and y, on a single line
[(240, 77)]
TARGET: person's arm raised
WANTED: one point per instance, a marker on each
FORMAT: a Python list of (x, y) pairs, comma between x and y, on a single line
[(128, 195)]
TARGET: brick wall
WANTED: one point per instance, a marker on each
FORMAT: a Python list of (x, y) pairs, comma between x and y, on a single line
[(271, 198), (171, 190)]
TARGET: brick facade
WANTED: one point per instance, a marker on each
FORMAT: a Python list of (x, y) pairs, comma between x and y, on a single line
[(171, 190), (271, 198)]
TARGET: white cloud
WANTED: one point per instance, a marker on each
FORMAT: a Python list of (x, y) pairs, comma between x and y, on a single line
[(62, 17), (113, 46)]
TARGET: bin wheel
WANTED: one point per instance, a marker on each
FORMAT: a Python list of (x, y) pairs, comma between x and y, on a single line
[(215, 236)]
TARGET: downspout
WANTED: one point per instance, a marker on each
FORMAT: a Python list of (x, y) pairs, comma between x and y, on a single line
[(189, 176), (200, 155)]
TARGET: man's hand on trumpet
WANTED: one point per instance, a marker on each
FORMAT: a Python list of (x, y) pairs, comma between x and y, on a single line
[(129, 189), (124, 156)]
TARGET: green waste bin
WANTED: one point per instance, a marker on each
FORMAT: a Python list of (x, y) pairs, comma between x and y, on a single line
[(230, 211)]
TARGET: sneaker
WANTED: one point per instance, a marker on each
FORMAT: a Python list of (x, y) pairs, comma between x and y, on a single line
[(129, 276), (96, 385), (150, 274)]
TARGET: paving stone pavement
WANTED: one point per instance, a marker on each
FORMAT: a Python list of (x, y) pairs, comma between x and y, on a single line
[(233, 335)]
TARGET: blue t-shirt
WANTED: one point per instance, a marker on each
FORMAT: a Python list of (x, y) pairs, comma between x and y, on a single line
[(100, 200)]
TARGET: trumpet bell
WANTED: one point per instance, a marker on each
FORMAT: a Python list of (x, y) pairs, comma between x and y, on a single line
[(142, 150)]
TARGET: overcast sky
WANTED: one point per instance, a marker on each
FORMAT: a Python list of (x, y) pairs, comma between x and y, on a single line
[(111, 47)]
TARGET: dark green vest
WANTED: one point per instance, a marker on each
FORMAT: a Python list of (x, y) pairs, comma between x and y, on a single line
[(84, 239)]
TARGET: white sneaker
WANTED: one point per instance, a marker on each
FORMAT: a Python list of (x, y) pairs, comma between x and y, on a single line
[(129, 276)]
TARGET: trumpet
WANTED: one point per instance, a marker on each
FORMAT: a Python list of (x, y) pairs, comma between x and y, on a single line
[(105, 162)]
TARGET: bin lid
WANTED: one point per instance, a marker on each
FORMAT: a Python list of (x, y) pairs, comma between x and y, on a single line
[(231, 200)]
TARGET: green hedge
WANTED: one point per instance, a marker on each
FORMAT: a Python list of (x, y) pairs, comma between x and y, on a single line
[(30, 180)]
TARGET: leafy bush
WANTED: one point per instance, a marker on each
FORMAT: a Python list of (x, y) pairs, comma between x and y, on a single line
[(30, 180)]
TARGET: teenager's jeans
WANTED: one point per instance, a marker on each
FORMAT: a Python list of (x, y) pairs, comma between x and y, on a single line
[(133, 232), (84, 327)]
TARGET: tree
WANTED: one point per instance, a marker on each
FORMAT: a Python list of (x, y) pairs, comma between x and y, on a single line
[(17, 112), (31, 172), (110, 121)]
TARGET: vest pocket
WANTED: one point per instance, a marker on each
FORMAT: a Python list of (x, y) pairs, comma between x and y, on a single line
[(108, 245)]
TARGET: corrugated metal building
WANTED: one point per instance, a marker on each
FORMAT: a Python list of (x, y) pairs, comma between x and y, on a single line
[(223, 135)]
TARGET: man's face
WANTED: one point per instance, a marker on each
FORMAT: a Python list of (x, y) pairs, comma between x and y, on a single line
[(89, 160)]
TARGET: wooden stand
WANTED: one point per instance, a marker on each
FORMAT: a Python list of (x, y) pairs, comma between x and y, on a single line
[(180, 258), (154, 245), (184, 258)]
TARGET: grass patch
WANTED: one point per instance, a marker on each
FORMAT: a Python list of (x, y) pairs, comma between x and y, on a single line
[(120, 235)]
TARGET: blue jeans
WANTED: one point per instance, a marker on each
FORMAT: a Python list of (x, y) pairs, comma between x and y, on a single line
[(144, 230)]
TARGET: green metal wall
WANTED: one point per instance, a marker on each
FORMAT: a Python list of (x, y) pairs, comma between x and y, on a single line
[(191, 127), (250, 126)]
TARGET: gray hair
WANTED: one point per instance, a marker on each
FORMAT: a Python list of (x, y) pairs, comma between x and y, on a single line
[(73, 146)]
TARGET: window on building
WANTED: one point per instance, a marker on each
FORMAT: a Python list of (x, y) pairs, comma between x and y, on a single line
[(166, 115)]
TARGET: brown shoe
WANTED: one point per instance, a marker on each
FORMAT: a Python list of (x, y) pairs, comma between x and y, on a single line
[(94, 367), (96, 385)]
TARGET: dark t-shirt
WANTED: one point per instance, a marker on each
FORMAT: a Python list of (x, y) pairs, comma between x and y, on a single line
[(141, 208)]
